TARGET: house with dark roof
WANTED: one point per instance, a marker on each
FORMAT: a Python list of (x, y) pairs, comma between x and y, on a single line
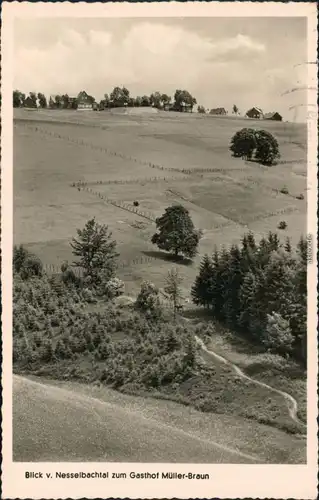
[(274, 115), (84, 101), (218, 111), (255, 113)]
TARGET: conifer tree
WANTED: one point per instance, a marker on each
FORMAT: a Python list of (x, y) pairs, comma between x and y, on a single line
[(234, 282), (96, 250), (201, 291)]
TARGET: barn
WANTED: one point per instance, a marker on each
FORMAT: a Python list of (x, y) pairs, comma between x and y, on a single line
[(255, 113), (218, 111), (273, 116)]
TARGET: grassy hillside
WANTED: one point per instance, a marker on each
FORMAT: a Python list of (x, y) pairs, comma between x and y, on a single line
[(68, 421), (157, 160)]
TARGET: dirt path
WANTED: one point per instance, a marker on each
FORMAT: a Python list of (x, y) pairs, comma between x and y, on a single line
[(290, 401)]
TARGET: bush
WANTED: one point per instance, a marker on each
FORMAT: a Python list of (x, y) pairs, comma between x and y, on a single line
[(113, 288), (243, 143), (135, 203), (282, 225), (148, 298), (300, 197), (284, 190), (277, 336)]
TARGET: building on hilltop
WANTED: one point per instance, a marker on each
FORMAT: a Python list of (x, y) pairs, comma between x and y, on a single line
[(255, 113), (84, 101), (218, 111), (273, 116)]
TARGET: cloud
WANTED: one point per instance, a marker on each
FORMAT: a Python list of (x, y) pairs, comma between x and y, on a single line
[(148, 56)]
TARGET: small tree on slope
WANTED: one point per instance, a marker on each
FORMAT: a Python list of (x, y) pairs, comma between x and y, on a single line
[(96, 250), (172, 288), (176, 232)]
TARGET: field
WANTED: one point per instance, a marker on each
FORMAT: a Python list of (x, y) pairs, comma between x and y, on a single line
[(156, 159)]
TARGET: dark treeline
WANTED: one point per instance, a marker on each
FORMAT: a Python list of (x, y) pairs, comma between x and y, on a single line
[(118, 97), (260, 290)]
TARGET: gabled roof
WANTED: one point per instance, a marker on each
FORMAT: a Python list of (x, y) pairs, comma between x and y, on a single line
[(272, 114), (256, 109)]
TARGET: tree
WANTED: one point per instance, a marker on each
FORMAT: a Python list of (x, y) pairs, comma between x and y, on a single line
[(51, 103), (96, 250), (176, 232), (156, 100), (20, 254), (33, 97), (119, 96), (58, 101), (235, 109), (65, 101), (166, 99), (172, 288), (201, 109), (145, 101), (201, 291), (18, 99), (138, 101), (243, 143), (267, 150), (182, 98), (42, 100)]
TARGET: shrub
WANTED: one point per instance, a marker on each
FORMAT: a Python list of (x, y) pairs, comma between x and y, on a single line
[(277, 337), (113, 288), (267, 150), (284, 190), (282, 225), (135, 203), (300, 197), (243, 143), (148, 298)]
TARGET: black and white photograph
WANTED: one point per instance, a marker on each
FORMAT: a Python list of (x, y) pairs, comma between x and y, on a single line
[(163, 235)]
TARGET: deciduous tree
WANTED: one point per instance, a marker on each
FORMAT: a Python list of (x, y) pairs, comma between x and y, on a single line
[(176, 232)]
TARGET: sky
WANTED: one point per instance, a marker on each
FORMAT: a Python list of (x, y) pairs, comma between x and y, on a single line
[(221, 61)]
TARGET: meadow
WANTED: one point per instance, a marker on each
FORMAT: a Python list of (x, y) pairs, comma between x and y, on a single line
[(70, 166)]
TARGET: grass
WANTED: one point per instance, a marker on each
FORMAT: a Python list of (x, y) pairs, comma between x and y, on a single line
[(270, 444), (235, 197)]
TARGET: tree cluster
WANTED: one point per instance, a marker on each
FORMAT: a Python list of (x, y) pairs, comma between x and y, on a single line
[(260, 290), (118, 97), (259, 145)]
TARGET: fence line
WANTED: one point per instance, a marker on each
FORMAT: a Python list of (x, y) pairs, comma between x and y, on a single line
[(113, 153), (120, 204), (128, 181), (55, 269)]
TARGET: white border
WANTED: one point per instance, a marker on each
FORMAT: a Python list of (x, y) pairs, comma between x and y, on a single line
[(226, 481)]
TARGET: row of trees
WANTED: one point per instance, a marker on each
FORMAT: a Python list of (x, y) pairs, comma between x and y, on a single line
[(120, 96), (259, 289), (39, 100)]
